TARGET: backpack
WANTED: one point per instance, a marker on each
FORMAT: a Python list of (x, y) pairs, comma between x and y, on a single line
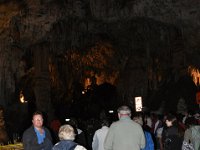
[(195, 137), (149, 142)]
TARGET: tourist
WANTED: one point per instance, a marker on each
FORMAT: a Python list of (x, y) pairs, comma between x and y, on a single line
[(37, 137), (100, 135), (124, 134), (66, 135)]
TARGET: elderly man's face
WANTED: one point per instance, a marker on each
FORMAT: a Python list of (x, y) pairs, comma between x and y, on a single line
[(37, 121)]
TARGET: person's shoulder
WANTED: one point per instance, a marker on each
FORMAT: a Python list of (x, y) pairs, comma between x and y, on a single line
[(98, 130), (195, 129), (104, 128), (135, 124), (29, 132), (114, 124), (121, 122), (29, 129), (79, 147), (188, 131), (56, 146)]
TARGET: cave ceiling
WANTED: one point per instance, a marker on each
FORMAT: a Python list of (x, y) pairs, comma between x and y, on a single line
[(133, 44)]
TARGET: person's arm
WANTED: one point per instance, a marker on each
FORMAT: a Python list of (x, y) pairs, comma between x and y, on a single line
[(26, 141), (160, 143), (95, 142), (187, 135), (159, 137), (109, 139)]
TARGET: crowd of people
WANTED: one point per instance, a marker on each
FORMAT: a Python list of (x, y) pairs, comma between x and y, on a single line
[(138, 131)]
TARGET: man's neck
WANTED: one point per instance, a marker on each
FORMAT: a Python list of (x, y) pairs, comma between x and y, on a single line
[(40, 129), (124, 115)]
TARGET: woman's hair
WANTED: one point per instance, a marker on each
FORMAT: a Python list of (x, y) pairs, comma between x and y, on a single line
[(173, 119), (66, 132), (104, 122)]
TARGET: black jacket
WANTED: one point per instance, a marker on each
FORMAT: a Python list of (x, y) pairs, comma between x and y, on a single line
[(30, 141), (172, 139)]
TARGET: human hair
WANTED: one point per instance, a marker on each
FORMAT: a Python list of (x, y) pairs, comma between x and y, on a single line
[(104, 122), (173, 119), (66, 132), (124, 110), (37, 113)]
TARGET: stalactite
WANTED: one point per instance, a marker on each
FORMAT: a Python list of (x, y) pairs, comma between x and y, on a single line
[(68, 27)]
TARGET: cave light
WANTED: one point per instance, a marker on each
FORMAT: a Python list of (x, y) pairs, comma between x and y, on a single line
[(67, 119), (195, 74), (22, 98), (87, 84), (110, 111)]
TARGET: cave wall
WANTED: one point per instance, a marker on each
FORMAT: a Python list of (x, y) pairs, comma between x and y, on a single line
[(149, 41)]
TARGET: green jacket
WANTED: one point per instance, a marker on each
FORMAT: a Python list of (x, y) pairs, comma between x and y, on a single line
[(125, 134)]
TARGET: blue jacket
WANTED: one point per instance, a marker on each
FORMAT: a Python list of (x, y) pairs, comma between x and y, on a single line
[(149, 141), (65, 145)]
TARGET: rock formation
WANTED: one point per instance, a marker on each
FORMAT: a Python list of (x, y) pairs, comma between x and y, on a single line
[(141, 47)]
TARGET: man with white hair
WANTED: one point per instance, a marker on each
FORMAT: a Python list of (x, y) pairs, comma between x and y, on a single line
[(124, 134)]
